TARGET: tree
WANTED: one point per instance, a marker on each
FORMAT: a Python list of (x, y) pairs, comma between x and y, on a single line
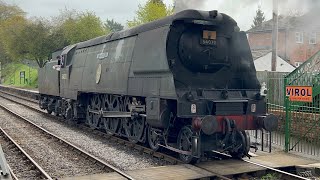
[(152, 10), (258, 19), (82, 27), (34, 42), (9, 11), (11, 18), (113, 26)]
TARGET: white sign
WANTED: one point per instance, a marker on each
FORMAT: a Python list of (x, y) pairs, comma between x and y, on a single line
[(193, 108)]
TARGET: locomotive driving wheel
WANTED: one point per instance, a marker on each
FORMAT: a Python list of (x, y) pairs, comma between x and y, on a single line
[(153, 138), (184, 142), (243, 145), (133, 127), (94, 119), (111, 103)]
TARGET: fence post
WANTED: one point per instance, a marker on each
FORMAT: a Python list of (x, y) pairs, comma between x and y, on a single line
[(287, 120)]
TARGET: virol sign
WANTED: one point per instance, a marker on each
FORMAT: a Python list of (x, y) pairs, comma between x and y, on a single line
[(299, 93)]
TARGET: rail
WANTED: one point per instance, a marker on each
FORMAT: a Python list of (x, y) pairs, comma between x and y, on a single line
[(105, 164)]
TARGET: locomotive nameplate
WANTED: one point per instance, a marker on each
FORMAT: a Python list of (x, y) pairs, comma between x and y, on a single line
[(299, 93), (209, 38)]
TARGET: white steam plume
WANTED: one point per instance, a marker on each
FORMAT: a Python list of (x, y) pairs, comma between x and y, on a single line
[(180, 5)]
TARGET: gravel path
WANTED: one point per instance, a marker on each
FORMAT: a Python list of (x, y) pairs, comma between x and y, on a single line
[(57, 160), (120, 156)]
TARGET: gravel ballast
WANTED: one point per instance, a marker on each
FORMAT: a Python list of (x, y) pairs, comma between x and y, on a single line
[(120, 156), (54, 157)]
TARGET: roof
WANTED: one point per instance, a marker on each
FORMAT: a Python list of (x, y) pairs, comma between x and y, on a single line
[(289, 22), (264, 64), (186, 15), (259, 53), (283, 23)]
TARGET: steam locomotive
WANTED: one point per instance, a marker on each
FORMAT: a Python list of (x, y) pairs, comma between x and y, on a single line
[(186, 82)]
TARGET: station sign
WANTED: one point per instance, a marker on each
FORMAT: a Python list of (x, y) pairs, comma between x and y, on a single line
[(299, 93)]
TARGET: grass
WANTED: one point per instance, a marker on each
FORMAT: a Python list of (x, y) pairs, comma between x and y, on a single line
[(270, 176), (11, 75)]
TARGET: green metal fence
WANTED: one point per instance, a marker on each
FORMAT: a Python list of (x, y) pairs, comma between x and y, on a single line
[(275, 105), (299, 122), (302, 125)]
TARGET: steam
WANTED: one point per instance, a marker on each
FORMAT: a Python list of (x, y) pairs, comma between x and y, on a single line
[(180, 5)]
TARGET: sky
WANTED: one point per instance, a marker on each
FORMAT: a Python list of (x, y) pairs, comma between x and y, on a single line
[(243, 11)]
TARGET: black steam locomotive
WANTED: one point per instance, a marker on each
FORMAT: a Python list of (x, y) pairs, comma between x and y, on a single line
[(185, 82)]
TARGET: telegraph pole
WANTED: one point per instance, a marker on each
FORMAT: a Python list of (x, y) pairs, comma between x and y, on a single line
[(0, 73), (274, 35)]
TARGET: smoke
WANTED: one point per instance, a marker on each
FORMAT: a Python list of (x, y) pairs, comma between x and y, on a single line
[(296, 7), (244, 11), (180, 5)]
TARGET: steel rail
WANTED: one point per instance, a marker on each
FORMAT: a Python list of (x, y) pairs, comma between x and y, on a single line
[(127, 176), (13, 175), (19, 96), (138, 147), (42, 171), (119, 139), (274, 169)]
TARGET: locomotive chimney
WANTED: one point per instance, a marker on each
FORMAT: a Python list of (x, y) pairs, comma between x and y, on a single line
[(215, 15)]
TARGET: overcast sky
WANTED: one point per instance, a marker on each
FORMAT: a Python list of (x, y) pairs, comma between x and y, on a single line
[(242, 11)]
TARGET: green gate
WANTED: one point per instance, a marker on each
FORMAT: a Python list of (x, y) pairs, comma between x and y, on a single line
[(302, 119)]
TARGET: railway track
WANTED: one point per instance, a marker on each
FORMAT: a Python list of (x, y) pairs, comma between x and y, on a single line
[(30, 168), (71, 156), (143, 149)]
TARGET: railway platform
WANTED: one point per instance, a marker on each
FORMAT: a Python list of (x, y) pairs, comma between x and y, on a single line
[(202, 170)]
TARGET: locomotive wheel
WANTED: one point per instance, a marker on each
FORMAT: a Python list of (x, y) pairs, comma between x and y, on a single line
[(184, 142), (134, 129), (243, 138), (93, 119), (111, 125), (57, 108), (111, 103), (49, 111), (153, 139)]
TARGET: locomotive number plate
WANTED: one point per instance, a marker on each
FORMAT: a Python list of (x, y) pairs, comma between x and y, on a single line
[(209, 38)]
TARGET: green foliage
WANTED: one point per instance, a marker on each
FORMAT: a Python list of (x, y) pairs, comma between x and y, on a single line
[(34, 42), (258, 19), (9, 11), (152, 10), (82, 27), (112, 26), (36, 39), (272, 176), (11, 75), (11, 20)]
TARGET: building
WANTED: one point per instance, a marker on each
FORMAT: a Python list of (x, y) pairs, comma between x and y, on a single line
[(298, 37), (262, 62)]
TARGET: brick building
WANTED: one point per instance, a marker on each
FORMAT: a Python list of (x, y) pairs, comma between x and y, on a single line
[(298, 37)]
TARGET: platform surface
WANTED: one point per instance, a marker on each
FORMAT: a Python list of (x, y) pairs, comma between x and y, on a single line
[(281, 159), (207, 169), (184, 171)]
